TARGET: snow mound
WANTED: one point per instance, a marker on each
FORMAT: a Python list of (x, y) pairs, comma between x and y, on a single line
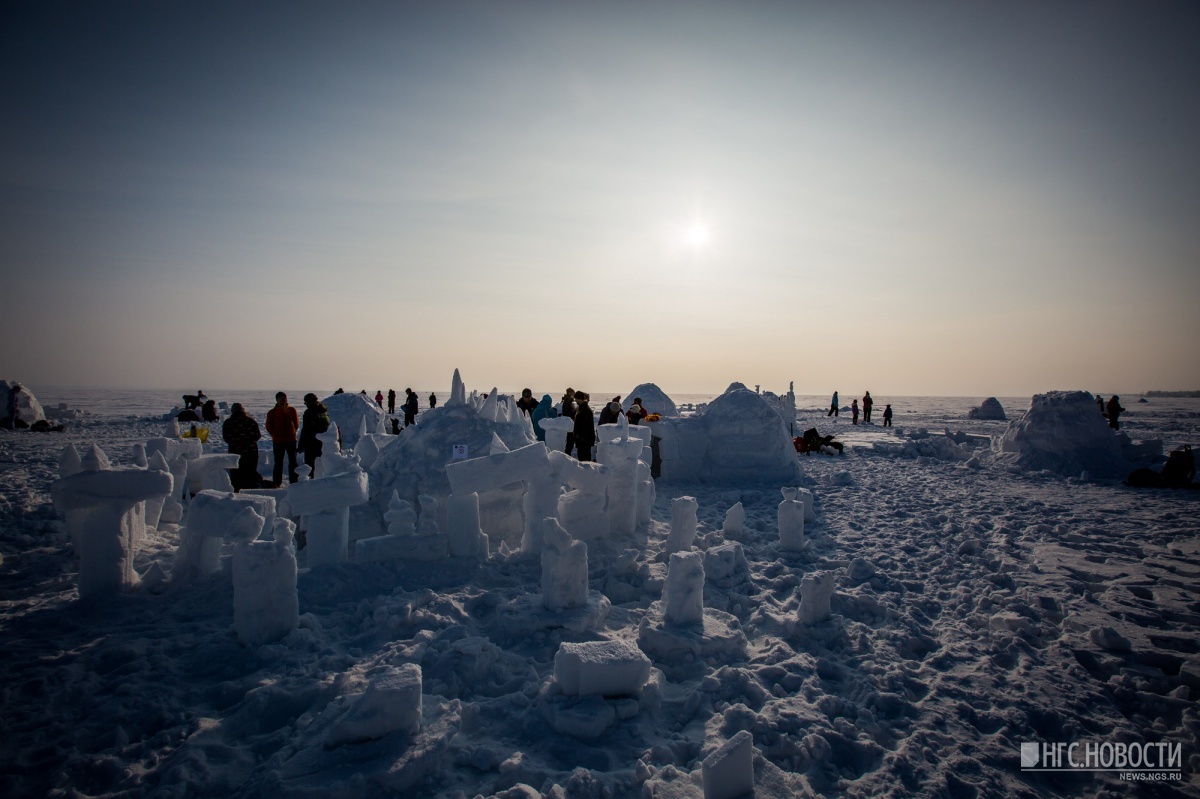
[(350, 411), (739, 438), (1062, 433), (29, 410), (416, 463), (654, 400), (990, 409)]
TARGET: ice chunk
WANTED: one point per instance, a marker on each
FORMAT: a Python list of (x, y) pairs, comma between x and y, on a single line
[(265, 603), (564, 568), (464, 535), (683, 524), (729, 771), (725, 562), (69, 462), (607, 668), (816, 590), (391, 703), (683, 591), (735, 521)]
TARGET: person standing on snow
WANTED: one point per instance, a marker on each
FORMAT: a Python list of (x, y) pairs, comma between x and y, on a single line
[(866, 406), (887, 416), (391, 400), (833, 406), (241, 433), (282, 424), (544, 410), (410, 407), (316, 422), (585, 427), (854, 411), (1114, 410)]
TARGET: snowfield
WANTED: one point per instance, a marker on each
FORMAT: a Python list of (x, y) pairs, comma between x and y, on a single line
[(978, 604)]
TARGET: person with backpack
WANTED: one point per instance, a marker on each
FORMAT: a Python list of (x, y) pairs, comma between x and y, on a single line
[(314, 423), (241, 433), (282, 424), (1114, 411), (410, 407)]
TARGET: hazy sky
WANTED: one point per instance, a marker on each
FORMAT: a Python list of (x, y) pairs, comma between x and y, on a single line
[(913, 198)]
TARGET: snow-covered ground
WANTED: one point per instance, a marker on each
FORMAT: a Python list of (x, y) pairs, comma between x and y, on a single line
[(976, 607)]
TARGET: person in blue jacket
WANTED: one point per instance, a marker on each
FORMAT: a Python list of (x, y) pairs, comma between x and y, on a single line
[(543, 410), (833, 406)]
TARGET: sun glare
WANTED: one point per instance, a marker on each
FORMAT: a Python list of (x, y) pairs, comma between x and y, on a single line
[(696, 235)]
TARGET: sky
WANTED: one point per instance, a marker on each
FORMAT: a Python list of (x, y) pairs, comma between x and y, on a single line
[(903, 197)]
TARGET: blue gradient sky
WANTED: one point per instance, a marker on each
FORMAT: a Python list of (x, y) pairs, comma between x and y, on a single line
[(911, 198)]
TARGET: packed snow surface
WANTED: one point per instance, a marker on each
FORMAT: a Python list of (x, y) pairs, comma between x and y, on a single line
[(943, 609)]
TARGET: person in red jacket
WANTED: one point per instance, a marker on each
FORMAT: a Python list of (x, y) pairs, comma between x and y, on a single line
[(282, 424)]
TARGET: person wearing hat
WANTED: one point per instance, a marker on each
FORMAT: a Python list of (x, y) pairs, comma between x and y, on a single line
[(241, 433), (636, 412), (315, 422), (585, 426), (282, 424), (610, 413)]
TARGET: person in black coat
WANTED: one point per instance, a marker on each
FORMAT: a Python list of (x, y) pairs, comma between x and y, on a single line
[(314, 422), (241, 433), (585, 426), (391, 400), (410, 407), (1114, 410)]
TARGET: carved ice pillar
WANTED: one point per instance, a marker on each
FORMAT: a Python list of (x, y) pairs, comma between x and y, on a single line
[(683, 592), (326, 502), (683, 524), (564, 568), (111, 522), (621, 456), (791, 521)]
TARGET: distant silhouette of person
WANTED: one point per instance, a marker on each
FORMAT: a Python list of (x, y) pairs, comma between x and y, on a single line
[(209, 412), (1114, 411), (833, 406), (410, 407), (395, 427), (13, 407), (379, 398), (1100, 405), (241, 433), (391, 400), (887, 416), (568, 410), (432, 400), (854, 411), (282, 424), (866, 406), (585, 426)]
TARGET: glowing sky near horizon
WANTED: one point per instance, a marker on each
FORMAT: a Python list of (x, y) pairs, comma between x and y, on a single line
[(910, 198)]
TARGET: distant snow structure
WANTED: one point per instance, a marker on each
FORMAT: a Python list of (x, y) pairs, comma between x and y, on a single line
[(29, 410), (654, 400), (989, 409), (1062, 433), (416, 463), (739, 438), (353, 413)]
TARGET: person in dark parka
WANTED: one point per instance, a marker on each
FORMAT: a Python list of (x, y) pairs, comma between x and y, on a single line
[(1114, 410), (585, 426), (391, 400), (544, 410), (410, 407), (314, 422), (241, 433)]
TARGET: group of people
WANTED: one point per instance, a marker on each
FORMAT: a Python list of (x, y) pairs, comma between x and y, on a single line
[(576, 405), (290, 435), (867, 404), (410, 407)]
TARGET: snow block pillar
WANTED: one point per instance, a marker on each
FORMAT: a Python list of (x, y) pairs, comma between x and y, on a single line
[(791, 521), (326, 502), (816, 590), (683, 592), (265, 604), (683, 524)]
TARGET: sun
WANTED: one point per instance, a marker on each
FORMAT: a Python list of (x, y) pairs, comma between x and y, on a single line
[(696, 235)]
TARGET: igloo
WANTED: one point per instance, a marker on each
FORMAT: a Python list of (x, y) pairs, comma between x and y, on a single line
[(1062, 432), (739, 438), (29, 410), (654, 400), (355, 413), (989, 409)]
